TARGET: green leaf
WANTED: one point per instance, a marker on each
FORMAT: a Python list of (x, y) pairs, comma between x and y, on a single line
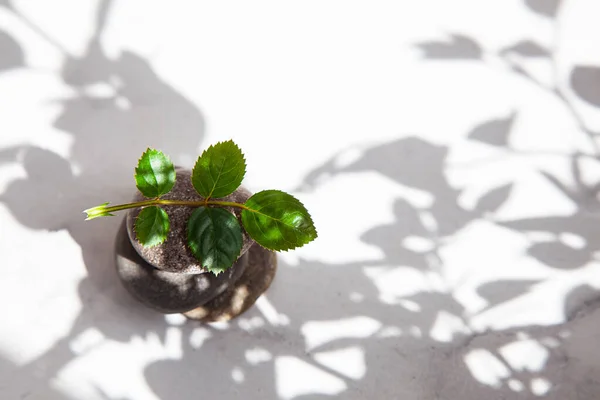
[(152, 226), (219, 170), (215, 238), (98, 211), (155, 174), (278, 221)]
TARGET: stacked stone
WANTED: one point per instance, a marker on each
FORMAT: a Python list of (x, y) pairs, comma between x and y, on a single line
[(170, 279)]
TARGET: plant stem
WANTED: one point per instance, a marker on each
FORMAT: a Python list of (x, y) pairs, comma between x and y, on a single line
[(156, 202)]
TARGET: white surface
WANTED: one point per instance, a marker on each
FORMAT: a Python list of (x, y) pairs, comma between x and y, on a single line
[(447, 267)]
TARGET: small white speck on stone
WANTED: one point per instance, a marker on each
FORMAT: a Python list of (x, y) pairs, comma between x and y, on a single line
[(550, 342), (540, 386), (123, 103), (249, 324), (258, 355), (220, 325), (486, 368), (198, 337), (416, 331), (389, 332), (564, 334), (525, 355), (516, 385), (85, 341), (410, 305), (418, 244), (175, 319), (238, 375), (357, 297), (572, 240)]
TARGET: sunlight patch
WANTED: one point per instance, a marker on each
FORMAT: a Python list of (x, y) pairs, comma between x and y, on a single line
[(294, 378), (238, 375), (418, 244), (410, 305), (175, 319), (516, 385), (540, 386), (317, 333), (572, 240), (525, 355), (258, 355), (486, 368), (86, 341), (349, 361), (270, 313), (198, 337), (446, 326)]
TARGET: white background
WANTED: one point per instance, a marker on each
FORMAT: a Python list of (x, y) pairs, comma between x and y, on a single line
[(445, 149)]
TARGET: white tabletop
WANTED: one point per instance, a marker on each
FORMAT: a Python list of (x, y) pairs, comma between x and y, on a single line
[(446, 150)]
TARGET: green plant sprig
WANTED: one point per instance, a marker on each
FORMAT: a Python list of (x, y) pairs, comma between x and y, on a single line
[(274, 219)]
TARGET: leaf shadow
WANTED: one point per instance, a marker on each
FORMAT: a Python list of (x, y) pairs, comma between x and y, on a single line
[(498, 292), (494, 199), (547, 8), (585, 81), (526, 48), (457, 47), (495, 132), (12, 53)]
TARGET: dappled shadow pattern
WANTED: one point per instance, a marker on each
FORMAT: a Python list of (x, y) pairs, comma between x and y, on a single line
[(555, 250), (397, 352), (109, 131)]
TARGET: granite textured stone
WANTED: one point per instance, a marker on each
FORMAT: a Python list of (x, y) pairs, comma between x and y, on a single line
[(170, 292), (174, 254)]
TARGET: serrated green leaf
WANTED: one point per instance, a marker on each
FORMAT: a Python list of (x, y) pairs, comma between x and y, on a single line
[(278, 221), (152, 226), (219, 170), (155, 174), (215, 238)]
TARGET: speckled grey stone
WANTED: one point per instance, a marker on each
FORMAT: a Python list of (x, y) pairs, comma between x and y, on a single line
[(170, 292), (174, 254)]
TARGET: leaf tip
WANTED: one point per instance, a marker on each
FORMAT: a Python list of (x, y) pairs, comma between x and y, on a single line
[(97, 212), (214, 271)]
